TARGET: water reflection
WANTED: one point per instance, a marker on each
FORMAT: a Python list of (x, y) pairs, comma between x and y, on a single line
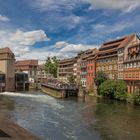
[(6, 104), (72, 119), (118, 120)]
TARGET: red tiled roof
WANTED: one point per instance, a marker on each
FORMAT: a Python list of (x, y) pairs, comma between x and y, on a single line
[(68, 60), (114, 45), (107, 51), (126, 40), (91, 54), (26, 62), (117, 43)]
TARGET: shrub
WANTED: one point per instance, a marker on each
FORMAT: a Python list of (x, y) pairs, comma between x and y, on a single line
[(113, 89), (137, 99), (130, 98), (100, 77), (107, 88), (120, 96)]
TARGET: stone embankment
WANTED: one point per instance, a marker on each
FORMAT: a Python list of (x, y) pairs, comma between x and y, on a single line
[(12, 131)]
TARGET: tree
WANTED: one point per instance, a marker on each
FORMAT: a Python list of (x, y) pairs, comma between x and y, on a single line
[(51, 66), (113, 89), (100, 77)]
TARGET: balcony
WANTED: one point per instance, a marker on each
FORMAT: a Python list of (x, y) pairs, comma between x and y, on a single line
[(132, 60), (84, 66), (83, 73)]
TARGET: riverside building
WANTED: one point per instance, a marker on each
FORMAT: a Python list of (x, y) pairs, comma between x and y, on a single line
[(91, 68), (7, 69), (119, 59), (132, 68), (79, 69), (123, 51), (66, 69), (111, 56), (83, 69), (30, 67)]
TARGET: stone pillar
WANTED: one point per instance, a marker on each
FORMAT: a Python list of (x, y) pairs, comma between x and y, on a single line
[(133, 87), (7, 66), (10, 84)]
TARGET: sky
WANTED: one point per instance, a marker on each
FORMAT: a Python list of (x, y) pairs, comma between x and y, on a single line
[(36, 29)]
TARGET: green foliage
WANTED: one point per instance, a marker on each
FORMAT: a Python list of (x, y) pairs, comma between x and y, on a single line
[(100, 77), (137, 98), (121, 89), (51, 66), (120, 96), (113, 89), (134, 98), (117, 89), (130, 98), (107, 88)]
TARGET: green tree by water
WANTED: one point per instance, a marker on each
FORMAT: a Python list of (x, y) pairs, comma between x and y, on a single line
[(100, 77), (51, 66), (114, 89)]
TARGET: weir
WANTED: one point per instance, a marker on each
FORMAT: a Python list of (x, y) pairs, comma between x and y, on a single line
[(40, 98)]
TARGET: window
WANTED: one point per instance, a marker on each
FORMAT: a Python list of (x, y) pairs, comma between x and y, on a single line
[(110, 67)]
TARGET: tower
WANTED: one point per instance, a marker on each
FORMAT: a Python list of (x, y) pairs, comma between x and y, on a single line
[(7, 66)]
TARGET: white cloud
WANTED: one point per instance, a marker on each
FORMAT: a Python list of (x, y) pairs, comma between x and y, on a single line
[(44, 5), (60, 49), (20, 42), (99, 26), (68, 22), (76, 48), (4, 18), (65, 47), (60, 44), (59, 13), (28, 38), (61, 21), (124, 5), (109, 29)]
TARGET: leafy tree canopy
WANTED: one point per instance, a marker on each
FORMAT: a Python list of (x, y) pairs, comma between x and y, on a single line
[(51, 66), (100, 77), (113, 88)]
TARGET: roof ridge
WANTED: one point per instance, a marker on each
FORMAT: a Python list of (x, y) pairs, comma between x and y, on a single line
[(5, 50), (126, 40), (113, 40)]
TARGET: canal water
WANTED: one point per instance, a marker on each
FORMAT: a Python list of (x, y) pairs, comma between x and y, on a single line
[(71, 119)]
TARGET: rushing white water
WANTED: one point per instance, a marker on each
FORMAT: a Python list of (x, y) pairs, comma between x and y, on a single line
[(40, 98), (21, 94)]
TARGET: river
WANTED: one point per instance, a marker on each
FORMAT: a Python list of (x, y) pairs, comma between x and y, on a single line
[(71, 119)]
